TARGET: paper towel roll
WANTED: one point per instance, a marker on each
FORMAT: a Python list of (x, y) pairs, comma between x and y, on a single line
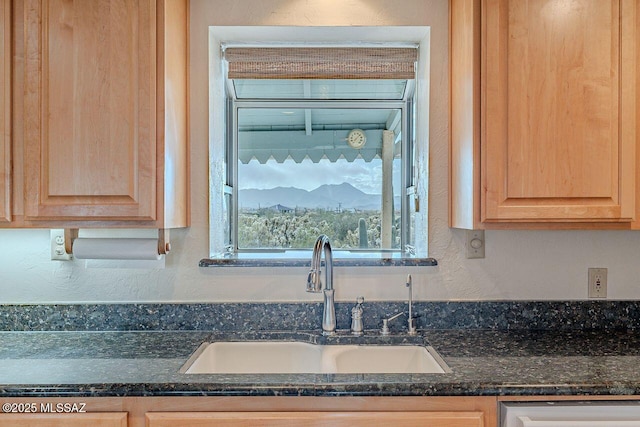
[(105, 248)]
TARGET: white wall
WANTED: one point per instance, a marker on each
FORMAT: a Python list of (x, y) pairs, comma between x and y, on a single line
[(518, 264)]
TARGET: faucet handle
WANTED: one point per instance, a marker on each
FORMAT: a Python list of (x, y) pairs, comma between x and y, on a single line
[(357, 310), (385, 323)]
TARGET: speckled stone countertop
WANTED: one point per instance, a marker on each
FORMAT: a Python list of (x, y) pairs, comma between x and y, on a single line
[(484, 362)]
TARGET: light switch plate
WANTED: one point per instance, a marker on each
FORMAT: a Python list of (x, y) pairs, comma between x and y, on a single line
[(475, 244)]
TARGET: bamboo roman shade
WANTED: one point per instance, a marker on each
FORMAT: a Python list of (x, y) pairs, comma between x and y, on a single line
[(321, 63)]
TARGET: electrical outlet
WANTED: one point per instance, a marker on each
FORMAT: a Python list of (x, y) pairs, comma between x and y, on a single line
[(474, 244), (597, 283), (58, 252)]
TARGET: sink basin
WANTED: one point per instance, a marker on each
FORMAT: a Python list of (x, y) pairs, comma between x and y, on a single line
[(283, 357)]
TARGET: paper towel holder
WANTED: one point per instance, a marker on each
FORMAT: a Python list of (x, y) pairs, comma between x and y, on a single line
[(164, 244)]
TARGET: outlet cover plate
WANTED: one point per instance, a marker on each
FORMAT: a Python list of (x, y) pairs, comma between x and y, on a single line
[(597, 283), (58, 252)]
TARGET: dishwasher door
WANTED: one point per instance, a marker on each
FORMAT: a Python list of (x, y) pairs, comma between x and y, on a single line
[(570, 414)]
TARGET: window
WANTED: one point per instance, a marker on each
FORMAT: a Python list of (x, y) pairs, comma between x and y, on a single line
[(302, 171), (319, 141)]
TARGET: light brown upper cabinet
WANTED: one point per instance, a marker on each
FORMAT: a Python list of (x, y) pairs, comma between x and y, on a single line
[(5, 111), (105, 114), (543, 113)]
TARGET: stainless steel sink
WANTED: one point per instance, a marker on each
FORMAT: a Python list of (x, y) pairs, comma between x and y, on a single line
[(285, 357)]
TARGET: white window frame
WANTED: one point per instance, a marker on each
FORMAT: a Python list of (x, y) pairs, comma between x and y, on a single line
[(327, 35)]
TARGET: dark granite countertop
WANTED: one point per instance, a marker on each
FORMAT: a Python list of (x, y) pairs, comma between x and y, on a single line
[(484, 362)]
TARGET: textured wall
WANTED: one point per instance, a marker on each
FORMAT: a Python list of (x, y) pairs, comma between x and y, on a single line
[(518, 264)]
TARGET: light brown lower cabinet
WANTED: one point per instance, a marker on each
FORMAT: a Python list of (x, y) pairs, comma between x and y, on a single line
[(215, 411), (96, 419), (315, 419), (303, 411)]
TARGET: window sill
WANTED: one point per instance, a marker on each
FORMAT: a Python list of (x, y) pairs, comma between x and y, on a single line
[(303, 259)]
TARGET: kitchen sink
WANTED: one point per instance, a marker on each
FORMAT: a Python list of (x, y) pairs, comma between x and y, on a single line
[(285, 357)]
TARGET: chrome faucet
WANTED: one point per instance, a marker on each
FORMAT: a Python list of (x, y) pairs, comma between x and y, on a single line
[(411, 327), (314, 283), (411, 321)]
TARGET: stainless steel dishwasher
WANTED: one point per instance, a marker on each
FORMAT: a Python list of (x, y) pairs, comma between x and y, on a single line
[(570, 414)]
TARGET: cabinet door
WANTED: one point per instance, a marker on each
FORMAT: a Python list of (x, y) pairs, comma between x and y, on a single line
[(315, 419), (558, 110), (90, 123), (5, 111), (64, 420)]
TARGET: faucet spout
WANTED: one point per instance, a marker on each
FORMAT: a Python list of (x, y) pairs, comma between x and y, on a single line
[(314, 282), (412, 321)]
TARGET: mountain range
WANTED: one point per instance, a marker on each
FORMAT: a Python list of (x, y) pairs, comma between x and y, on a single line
[(328, 196)]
